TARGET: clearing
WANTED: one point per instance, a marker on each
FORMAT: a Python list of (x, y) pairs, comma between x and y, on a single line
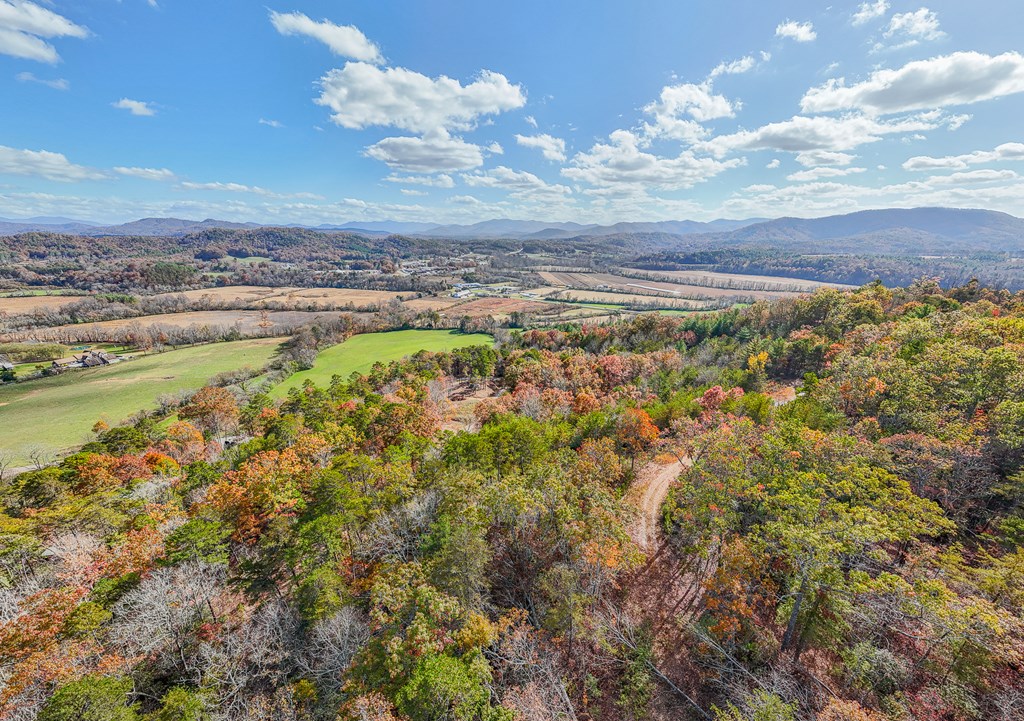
[(258, 296), (360, 352), (55, 414), (247, 322)]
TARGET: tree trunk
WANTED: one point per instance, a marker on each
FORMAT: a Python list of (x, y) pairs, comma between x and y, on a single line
[(794, 615)]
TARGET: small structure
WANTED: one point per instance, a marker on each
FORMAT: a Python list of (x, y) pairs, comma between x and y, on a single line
[(91, 359)]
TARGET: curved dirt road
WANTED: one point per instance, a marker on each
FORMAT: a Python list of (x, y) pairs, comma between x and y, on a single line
[(654, 483)]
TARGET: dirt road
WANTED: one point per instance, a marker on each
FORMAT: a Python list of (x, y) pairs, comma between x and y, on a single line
[(650, 491)]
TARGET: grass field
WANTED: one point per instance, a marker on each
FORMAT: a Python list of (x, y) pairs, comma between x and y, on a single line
[(56, 414), (359, 353)]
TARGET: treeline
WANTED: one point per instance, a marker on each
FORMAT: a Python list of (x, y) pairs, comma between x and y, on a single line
[(996, 270)]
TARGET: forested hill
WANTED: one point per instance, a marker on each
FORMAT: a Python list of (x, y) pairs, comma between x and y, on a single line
[(642, 521), (911, 231)]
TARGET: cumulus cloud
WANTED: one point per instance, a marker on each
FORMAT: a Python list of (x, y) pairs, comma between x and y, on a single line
[(23, 25), (45, 164), (523, 183), (434, 181), (620, 163), (801, 32), (814, 158), (822, 133), (919, 25), (344, 40), (412, 192), (361, 95), (1006, 151), (241, 188), (735, 67), (145, 173), (434, 152), (135, 107), (775, 163), (811, 174), (550, 147), (961, 78), (680, 110), (868, 11), (56, 83)]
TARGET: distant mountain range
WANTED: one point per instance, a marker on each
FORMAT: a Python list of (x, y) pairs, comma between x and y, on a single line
[(498, 228), (917, 230)]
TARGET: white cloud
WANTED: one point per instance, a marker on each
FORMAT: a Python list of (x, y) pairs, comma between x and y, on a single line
[(362, 95), (432, 153), (531, 121), (433, 181), (958, 79), (23, 24), (801, 32), (814, 158), (56, 83), (146, 173), (1006, 151), (822, 133), (344, 40), (919, 25), (550, 147), (987, 175), (524, 184), (818, 173), (465, 200), (52, 166), (775, 163), (254, 189), (412, 191), (135, 107), (676, 101), (271, 123), (621, 165), (495, 148), (868, 11), (735, 67)]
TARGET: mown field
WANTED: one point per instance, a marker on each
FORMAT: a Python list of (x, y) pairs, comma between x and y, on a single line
[(359, 353), (56, 414)]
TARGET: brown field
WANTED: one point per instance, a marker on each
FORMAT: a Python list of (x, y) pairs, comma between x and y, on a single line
[(247, 321), (324, 298), (32, 303), (596, 296), (497, 306), (617, 283), (771, 283), (432, 302)]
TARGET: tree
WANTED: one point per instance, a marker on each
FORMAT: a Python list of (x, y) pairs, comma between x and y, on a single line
[(93, 698), (213, 409), (636, 433)]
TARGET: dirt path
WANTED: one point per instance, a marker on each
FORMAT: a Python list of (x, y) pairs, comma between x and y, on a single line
[(649, 493)]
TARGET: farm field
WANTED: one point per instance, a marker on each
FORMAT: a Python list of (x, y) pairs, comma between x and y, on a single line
[(621, 299), (433, 302), (299, 298), (360, 352), (607, 281), (21, 305), (771, 283), (481, 307), (247, 321), (56, 414)]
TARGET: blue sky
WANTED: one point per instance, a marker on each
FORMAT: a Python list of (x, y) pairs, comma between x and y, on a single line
[(326, 112)]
